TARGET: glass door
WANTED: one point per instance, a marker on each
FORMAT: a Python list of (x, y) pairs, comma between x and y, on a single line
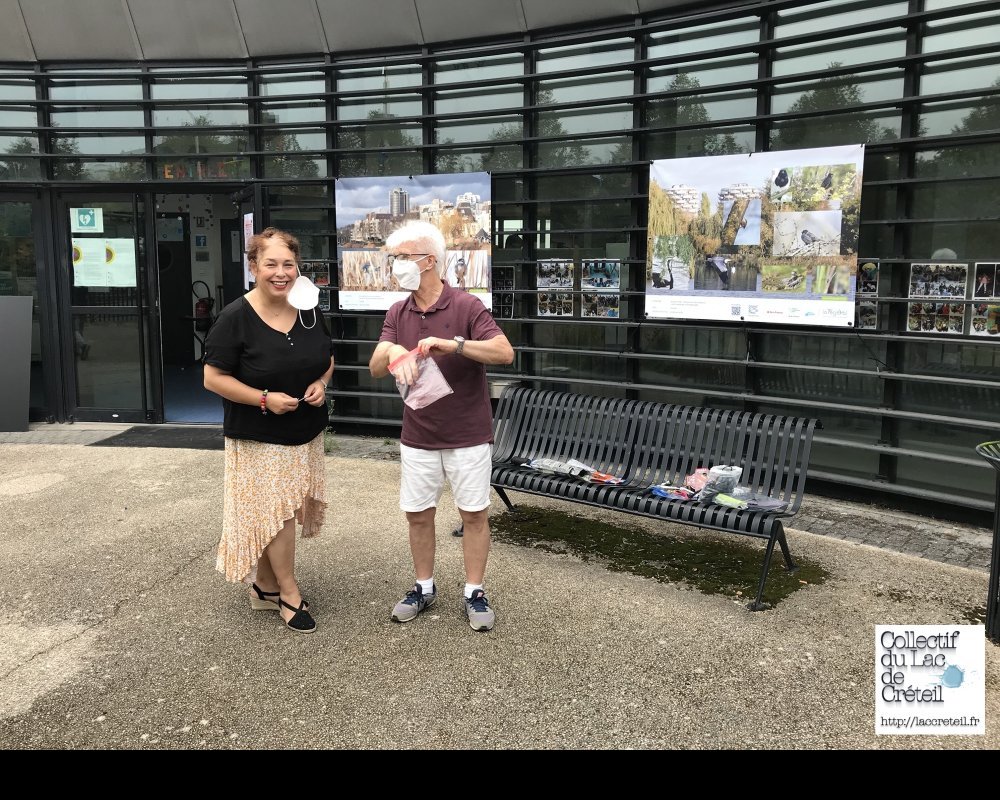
[(23, 273), (111, 349)]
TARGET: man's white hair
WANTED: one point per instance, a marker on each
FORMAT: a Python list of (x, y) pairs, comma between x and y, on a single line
[(424, 238)]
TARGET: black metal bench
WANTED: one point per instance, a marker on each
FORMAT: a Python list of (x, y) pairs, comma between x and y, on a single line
[(645, 444)]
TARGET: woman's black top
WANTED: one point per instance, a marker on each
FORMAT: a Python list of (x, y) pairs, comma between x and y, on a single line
[(242, 344)]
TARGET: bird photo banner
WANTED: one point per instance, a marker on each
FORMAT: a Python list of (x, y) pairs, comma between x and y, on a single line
[(764, 237), (369, 209)]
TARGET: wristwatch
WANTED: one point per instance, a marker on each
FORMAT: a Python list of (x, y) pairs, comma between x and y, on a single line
[(461, 344)]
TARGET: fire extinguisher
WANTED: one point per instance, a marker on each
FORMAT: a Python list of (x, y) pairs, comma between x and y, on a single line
[(202, 307)]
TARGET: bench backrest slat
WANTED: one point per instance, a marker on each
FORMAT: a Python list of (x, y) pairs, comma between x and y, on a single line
[(558, 425)]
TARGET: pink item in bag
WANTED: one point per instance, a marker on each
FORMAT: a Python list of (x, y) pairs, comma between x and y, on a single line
[(697, 479), (429, 384)]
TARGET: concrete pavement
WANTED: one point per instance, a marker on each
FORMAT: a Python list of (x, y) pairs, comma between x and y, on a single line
[(116, 632)]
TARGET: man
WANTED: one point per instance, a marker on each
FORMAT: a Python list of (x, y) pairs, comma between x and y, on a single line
[(450, 438)]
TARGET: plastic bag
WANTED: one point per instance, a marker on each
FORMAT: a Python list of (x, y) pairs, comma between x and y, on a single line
[(757, 502), (592, 475), (696, 480), (572, 467), (554, 467), (429, 384)]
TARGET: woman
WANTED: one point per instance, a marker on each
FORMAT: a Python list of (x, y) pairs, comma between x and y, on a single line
[(271, 364)]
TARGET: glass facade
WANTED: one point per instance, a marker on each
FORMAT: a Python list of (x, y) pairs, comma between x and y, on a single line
[(566, 122)]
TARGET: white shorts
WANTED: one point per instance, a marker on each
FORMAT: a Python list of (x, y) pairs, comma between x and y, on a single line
[(424, 471)]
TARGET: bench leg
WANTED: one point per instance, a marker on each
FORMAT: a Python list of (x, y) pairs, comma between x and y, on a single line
[(778, 535), (790, 565), (503, 496), (758, 605)]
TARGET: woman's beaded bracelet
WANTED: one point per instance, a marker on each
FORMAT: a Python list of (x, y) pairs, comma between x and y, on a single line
[(263, 402)]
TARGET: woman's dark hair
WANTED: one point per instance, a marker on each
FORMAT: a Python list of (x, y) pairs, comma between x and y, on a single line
[(261, 240)]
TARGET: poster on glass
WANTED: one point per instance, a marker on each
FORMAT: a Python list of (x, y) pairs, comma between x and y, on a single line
[(555, 304), (369, 209), (601, 304), (554, 274), (868, 279), (986, 293), (985, 282), (985, 319), (934, 285), (601, 275), (503, 292), (769, 237), (867, 315)]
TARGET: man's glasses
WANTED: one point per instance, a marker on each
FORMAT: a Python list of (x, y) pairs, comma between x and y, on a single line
[(405, 257)]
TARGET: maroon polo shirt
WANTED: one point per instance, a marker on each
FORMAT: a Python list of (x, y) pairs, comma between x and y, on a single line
[(464, 418)]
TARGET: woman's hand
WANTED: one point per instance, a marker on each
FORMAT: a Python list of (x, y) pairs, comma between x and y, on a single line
[(281, 403), (316, 394)]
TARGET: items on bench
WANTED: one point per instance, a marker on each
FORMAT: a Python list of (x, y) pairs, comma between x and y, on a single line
[(648, 445), (573, 468)]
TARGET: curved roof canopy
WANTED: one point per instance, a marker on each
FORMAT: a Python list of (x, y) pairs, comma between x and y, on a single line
[(171, 30)]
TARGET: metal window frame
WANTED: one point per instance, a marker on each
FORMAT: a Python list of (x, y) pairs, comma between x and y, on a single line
[(637, 34)]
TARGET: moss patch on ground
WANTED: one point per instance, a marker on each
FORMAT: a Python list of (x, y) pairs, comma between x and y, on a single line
[(975, 615), (706, 563)]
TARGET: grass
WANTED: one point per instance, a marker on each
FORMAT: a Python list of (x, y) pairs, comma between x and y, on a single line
[(700, 560)]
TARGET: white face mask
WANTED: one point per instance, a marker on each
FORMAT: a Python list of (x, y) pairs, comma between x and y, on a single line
[(407, 273), (304, 294)]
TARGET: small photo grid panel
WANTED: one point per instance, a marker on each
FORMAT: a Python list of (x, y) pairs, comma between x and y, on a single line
[(555, 304), (868, 279), (934, 285), (867, 315), (503, 292), (601, 275), (986, 319), (319, 273), (936, 318), (554, 274), (984, 285), (601, 304), (938, 280), (866, 310), (986, 293)]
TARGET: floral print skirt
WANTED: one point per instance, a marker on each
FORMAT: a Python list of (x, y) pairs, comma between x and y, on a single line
[(266, 485)]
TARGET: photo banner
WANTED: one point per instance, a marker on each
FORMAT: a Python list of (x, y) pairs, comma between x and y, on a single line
[(369, 209), (764, 237)]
